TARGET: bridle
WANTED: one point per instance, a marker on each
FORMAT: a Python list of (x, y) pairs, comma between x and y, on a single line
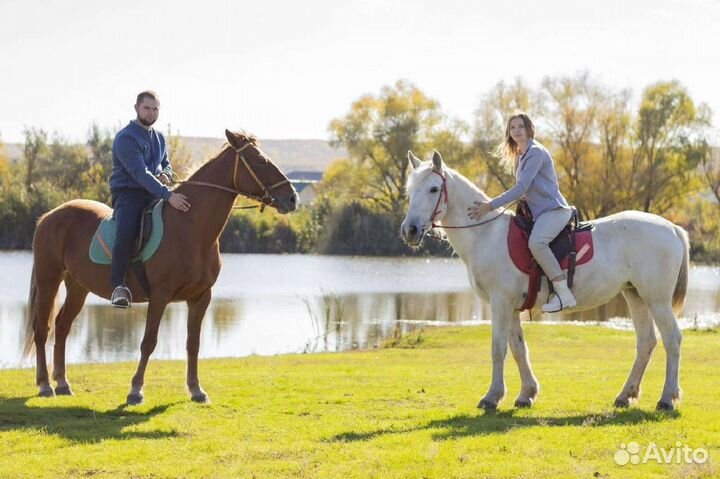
[(443, 191), (436, 211), (265, 200)]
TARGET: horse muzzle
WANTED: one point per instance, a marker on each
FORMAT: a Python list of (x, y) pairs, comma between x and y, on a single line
[(287, 205), (412, 234)]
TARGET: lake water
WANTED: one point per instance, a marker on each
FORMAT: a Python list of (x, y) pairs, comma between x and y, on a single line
[(271, 304)]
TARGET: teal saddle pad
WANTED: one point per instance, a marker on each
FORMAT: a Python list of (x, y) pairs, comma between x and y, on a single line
[(104, 239)]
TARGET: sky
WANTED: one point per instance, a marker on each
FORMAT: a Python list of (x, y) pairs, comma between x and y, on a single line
[(285, 69)]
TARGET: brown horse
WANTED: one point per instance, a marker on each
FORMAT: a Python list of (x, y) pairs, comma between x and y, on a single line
[(184, 268)]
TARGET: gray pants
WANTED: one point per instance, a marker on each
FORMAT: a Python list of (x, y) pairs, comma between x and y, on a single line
[(547, 226)]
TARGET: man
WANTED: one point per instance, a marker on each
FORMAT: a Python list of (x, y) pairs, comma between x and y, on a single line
[(141, 172)]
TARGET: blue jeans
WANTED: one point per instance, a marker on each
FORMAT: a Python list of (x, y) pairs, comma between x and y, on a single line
[(129, 204)]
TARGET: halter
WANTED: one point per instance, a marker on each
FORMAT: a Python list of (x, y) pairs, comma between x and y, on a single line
[(265, 200), (443, 191)]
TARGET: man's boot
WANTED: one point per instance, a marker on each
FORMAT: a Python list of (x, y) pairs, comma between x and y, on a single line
[(121, 297)]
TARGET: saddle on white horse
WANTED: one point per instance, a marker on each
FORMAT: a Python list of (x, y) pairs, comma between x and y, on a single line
[(572, 247)]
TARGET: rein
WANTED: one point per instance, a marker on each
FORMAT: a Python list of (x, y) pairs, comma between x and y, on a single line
[(265, 200), (443, 191)]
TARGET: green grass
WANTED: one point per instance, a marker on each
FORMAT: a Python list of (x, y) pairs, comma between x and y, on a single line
[(407, 411)]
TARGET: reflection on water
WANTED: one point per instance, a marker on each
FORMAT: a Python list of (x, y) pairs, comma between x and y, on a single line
[(270, 304)]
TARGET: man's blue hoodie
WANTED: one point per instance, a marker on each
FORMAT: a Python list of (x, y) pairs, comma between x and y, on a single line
[(139, 155)]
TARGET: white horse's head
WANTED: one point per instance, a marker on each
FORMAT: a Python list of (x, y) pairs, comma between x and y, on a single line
[(428, 198)]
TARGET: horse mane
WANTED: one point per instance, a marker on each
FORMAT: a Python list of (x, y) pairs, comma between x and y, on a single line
[(241, 135), (426, 168)]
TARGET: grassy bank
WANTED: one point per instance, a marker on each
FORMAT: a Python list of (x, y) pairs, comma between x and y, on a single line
[(398, 412)]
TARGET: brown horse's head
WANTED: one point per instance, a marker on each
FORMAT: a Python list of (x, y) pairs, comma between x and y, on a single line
[(257, 176)]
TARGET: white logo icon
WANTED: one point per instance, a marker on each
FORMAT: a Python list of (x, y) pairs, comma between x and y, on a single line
[(680, 454)]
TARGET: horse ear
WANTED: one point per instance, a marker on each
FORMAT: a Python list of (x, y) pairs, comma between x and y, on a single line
[(437, 161), (231, 138), (413, 160)]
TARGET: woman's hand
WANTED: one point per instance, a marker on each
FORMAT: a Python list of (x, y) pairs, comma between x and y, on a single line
[(480, 209)]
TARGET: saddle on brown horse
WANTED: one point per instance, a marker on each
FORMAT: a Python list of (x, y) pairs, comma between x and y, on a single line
[(572, 247)]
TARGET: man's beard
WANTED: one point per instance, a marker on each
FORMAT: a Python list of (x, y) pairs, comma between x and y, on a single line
[(145, 122)]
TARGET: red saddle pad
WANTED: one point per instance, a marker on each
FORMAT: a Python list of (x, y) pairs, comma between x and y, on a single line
[(522, 258)]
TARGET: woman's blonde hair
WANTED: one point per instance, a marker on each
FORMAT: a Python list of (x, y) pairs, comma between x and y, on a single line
[(508, 150)]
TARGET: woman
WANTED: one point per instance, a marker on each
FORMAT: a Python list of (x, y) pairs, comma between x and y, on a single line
[(537, 182)]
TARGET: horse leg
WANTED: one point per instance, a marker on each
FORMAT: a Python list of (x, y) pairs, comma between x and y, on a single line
[(671, 337), (518, 347), (156, 308), (47, 288), (645, 344), (196, 313), (501, 319), (74, 302)]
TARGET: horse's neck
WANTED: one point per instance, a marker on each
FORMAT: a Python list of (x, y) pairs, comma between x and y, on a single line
[(461, 195), (209, 207)]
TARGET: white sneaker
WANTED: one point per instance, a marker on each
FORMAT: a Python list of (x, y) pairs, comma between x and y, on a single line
[(562, 299)]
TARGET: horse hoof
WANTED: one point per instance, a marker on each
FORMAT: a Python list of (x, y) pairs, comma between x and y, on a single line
[(46, 392), (523, 403), (622, 402), (201, 399), (487, 405), (64, 391), (134, 399), (663, 406)]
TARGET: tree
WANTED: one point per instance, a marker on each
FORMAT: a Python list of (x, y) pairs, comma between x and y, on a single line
[(378, 132), (36, 150), (571, 114), (711, 170), (643, 161), (180, 155), (495, 108), (97, 177), (66, 167), (5, 174), (613, 125), (345, 181), (669, 144)]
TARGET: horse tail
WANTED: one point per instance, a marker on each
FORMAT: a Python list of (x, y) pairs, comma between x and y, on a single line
[(32, 322), (31, 317), (678, 299)]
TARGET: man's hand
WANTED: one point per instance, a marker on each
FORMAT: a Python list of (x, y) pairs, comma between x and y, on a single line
[(480, 209), (179, 202), (163, 178)]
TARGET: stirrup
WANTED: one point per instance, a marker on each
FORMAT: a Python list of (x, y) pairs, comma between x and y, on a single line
[(121, 297), (555, 309), (549, 304)]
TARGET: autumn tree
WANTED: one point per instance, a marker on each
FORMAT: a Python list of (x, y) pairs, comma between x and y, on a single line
[(496, 106), (608, 158), (711, 171), (572, 106), (4, 166), (96, 179), (36, 151), (180, 155), (613, 135), (378, 132), (669, 144)]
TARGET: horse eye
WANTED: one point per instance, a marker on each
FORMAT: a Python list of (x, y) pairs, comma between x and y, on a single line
[(434, 189)]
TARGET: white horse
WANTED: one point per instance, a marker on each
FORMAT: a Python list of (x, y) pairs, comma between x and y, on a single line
[(641, 255)]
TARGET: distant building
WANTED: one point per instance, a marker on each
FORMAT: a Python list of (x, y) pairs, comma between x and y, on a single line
[(315, 176), (305, 183)]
